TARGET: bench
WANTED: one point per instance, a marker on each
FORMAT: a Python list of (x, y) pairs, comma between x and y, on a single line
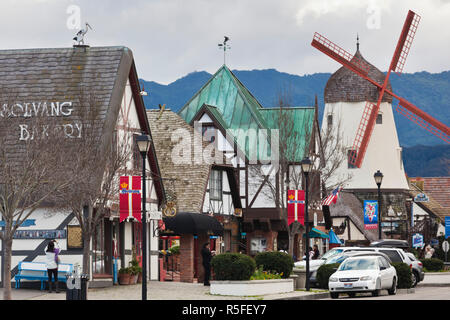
[(38, 271)]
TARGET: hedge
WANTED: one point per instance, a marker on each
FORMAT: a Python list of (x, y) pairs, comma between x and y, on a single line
[(275, 261), (433, 264), (324, 272), (404, 275), (233, 266)]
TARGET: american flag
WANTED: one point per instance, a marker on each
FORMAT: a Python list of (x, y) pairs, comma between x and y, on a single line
[(332, 198)]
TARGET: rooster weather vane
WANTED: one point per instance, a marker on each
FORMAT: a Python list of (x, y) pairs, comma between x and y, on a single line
[(224, 46), (79, 37)]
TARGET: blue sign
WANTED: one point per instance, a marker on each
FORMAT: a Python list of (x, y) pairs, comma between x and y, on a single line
[(417, 241), (370, 214), (447, 227), (26, 223)]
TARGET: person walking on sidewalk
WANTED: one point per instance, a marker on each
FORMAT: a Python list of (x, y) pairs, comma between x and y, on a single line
[(52, 260), (206, 261)]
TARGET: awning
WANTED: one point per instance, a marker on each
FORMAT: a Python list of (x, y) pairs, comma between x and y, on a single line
[(193, 223), (333, 237), (316, 233)]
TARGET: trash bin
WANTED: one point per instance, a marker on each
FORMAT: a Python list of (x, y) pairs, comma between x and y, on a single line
[(76, 287)]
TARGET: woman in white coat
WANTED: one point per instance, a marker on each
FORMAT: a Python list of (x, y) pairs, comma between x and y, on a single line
[(52, 260)]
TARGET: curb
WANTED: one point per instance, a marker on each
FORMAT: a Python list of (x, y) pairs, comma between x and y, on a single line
[(433, 285), (316, 296)]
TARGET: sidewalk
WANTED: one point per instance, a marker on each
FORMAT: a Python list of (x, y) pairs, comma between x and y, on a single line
[(435, 279), (160, 291)]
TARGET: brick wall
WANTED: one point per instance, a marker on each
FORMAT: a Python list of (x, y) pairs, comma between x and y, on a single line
[(187, 258)]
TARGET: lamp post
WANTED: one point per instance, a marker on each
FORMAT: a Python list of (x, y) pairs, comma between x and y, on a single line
[(306, 168), (378, 176), (143, 141)]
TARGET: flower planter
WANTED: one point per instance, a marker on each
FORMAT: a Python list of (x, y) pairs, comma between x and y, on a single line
[(252, 287), (133, 279), (124, 278), (139, 279)]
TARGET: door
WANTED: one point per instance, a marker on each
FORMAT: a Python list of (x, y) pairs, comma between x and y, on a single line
[(384, 274)]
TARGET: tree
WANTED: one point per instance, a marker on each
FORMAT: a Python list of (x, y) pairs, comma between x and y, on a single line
[(33, 154), (325, 151), (96, 160)]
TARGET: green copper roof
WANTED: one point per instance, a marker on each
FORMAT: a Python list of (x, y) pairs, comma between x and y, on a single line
[(236, 109), (303, 118)]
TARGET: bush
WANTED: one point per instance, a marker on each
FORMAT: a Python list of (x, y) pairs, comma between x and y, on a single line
[(324, 272), (404, 275), (264, 275), (276, 262), (175, 250), (233, 266), (433, 264)]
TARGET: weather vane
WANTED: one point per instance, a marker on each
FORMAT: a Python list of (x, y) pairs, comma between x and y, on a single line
[(79, 37), (224, 46)]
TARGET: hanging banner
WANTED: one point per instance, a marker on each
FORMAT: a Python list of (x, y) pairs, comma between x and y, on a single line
[(370, 214), (296, 206), (447, 227), (130, 197)]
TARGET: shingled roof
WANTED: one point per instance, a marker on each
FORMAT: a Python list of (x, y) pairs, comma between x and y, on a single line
[(346, 86), (34, 77), (188, 181), (437, 190)]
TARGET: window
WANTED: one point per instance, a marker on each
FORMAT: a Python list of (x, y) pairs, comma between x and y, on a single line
[(215, 185), (379, 119), (351, 154), (330, 120), (393, 255)]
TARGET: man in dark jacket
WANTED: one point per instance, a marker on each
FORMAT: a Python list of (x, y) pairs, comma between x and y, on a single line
[(206, 259)]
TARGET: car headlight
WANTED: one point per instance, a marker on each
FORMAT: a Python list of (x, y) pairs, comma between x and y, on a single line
[(333, 279), (365, 278)]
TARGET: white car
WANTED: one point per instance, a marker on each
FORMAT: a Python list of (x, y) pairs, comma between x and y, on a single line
[(363, 274)]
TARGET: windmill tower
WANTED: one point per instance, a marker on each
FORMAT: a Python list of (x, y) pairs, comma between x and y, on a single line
[(358, 101)]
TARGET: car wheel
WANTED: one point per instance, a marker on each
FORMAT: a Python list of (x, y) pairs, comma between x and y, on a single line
[(334, 295), (414, 279), (376, 292), (393, 289)]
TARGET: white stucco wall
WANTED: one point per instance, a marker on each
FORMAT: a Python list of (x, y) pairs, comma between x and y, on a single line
[(383, 152)]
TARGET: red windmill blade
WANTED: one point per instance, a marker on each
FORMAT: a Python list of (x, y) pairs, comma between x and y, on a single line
[(371, 110)]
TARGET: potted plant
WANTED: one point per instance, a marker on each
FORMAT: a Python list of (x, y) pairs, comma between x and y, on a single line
[(124, 276)]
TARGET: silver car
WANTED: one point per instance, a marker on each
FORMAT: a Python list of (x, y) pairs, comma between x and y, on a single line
[(416, 269)]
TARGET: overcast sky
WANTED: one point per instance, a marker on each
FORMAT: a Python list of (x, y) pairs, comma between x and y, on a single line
[(170, 38)]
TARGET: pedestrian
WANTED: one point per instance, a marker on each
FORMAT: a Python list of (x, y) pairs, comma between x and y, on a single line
[(52, 261), (316, 251), (429, 252), (311, 253), (206, 261)]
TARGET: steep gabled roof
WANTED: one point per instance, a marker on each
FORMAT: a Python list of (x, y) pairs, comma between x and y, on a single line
[(303, 119), (188, 180)]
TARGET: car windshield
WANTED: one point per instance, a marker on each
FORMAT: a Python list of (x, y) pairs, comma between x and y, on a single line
[(359, 264), (336, 259), (331, 254)]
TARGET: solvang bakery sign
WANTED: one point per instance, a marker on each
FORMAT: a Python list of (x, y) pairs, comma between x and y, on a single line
[(42, 109)]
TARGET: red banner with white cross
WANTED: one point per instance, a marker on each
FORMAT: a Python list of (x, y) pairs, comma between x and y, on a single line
[(130, 197), (296, 206)]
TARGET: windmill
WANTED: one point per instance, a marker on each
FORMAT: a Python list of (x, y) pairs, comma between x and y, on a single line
[(370, 113)]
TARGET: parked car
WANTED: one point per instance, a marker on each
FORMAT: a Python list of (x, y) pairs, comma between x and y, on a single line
[(390, 243), (339, 258), (416, 269), (363, 274)]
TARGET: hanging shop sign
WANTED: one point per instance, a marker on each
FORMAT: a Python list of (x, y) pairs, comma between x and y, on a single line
[(296, 206), (417, 241), (370, 214), (421, 197), (130, 197), (26, 223)]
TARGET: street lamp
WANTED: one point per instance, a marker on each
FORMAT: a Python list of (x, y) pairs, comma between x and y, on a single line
[(306, 168), (378, 176), (143, 142)]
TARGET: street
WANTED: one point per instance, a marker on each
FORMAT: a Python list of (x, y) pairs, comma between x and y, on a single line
[(421, 293)]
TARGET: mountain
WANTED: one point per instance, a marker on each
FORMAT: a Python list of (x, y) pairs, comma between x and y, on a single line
[(427, 161), (429, 91)]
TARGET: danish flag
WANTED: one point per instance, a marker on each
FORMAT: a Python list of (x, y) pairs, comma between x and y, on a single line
[(130, 197), (296, 206)]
